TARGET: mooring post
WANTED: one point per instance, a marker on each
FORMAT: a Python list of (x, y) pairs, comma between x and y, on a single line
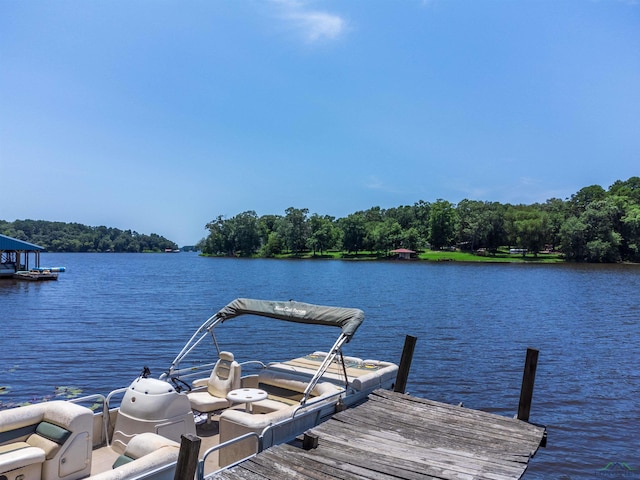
[(528, 379), (405, 364), (188, 457), (309, 441)]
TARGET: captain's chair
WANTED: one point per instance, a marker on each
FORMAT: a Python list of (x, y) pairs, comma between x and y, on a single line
[(225, 377)]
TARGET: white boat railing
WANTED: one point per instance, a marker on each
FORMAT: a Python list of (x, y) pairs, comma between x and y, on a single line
[(187, 372), (108, 402), (318, 401), (98, 398), (260, 438), (253, 362), (90, 398), (200, 471)]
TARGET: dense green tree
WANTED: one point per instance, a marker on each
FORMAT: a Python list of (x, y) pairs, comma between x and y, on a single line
[(386, 235), (421, 213), (475, 224), (268, 224), (557, 211), (628, 188), (404, 215), (497, 235), (354, 232), (273, 246), (631, 228), (573, 239), (592, 225), (510, 218), (373, 215), (532, 229), (580, 200), (246, 233), (323, 235), (603, 241), (442, 224), (482, 224), (592, 235), (295, 229), (75, 237), (219, 240), (412, 239)]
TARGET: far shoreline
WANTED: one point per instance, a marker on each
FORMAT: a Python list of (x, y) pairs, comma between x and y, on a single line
[(435, 256), (423, 257)]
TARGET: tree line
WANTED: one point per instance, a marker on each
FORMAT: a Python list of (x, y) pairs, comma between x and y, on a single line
[(74, 237), (593, 225)]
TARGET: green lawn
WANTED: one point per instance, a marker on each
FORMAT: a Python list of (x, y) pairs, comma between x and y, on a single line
[(499, 257)]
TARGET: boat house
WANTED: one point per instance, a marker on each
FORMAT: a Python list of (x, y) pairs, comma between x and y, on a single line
[(17, 255), (403, 253)]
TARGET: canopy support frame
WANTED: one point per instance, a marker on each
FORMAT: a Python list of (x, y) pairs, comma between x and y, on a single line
[(342, 339)]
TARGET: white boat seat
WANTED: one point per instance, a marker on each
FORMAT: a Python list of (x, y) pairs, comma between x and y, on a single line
[(225, 377), (46, 440), (145, 453), (20, 458)]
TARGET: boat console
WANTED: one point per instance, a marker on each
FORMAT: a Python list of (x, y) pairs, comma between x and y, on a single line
[(152, 405)]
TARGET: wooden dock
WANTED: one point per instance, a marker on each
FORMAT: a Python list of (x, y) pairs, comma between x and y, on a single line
[(397, 436)]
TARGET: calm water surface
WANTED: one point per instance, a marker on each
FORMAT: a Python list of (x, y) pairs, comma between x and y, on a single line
[(111, 314)]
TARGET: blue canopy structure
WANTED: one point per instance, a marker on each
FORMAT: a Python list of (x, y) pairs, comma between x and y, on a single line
[(14, 255)]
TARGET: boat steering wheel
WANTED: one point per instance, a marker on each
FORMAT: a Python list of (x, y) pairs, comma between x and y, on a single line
[(180, 384)]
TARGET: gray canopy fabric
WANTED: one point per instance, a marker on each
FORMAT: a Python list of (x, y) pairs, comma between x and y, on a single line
[(349, 319)]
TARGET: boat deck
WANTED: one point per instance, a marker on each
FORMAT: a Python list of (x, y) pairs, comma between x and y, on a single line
[(209, 434), (394, 435), (104, 457), (102, 460)]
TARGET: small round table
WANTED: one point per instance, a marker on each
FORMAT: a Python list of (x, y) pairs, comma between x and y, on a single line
[(246, 396)]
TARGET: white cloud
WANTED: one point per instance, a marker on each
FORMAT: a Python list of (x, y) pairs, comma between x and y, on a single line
[(314, 25), (319, 25)]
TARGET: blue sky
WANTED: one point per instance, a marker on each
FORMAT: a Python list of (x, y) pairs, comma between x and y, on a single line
[(158, 115)]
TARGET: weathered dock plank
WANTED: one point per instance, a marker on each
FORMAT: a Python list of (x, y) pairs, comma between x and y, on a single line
[(394, 435)]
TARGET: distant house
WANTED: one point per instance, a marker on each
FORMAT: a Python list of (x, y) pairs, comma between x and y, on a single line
[(15, 255), (403, 253)]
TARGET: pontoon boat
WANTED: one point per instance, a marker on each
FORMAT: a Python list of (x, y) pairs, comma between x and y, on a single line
[(237, 408)]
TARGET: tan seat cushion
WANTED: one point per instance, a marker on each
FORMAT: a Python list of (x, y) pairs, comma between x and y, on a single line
[(18, 455)]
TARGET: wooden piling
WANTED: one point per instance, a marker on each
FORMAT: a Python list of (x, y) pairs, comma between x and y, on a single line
[(528, 379), (405, 364), (309, 441), (188, 457)]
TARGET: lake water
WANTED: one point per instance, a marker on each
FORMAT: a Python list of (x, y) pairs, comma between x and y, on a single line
[(109, 315)]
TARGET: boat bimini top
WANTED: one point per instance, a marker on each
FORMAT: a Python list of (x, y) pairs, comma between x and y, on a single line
[(347, 319)]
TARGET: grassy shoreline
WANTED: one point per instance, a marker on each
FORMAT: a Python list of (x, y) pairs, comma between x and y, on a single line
[(431, 256)]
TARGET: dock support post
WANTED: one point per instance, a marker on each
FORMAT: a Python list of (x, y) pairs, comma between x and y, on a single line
[(309, 441), (188, 457), (405, 364), (528, 379)]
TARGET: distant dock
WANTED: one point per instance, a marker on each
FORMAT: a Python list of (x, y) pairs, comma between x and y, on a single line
[(394, 435), (15, 256)]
